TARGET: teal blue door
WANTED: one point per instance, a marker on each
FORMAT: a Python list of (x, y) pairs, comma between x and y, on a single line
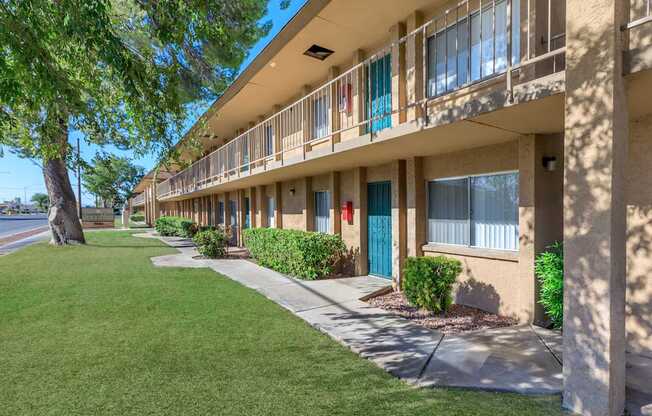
[(379, 93), (379, 231)]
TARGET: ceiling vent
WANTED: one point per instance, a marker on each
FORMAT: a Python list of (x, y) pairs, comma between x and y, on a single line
[(318, 52)]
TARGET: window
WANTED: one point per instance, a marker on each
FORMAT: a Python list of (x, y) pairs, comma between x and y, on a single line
[(247, 221), (269, 140), (322, 211), (271, 208), (461, 53), (320, 117), (220, 212), (478, 211)]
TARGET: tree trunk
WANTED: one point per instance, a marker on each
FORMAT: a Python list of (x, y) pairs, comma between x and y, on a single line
[(62, 216)]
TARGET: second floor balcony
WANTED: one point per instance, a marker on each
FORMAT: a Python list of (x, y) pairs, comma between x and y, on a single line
[(478, 45)]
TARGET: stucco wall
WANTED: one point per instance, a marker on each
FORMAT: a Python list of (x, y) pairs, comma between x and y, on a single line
[(639, 237), (293, 205)]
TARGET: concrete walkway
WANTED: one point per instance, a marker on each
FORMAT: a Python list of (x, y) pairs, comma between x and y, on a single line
[(517, 359)]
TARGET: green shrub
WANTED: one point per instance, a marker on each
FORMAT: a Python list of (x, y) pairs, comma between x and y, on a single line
[(305, 255), (211, 242), (549, 268), (175, 226), (428, 281), (137, 217)]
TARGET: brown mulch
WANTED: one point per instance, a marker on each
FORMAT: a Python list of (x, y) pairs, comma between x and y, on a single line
[(459, 318)]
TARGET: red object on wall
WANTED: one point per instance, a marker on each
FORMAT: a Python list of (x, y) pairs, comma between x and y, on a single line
[(347, 212)]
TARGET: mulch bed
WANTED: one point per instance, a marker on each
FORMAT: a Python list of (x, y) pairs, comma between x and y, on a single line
[(459, 318)]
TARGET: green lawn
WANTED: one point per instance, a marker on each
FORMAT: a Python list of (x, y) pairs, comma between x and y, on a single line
[(97, 330)]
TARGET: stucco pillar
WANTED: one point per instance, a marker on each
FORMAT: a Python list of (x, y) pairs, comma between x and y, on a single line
[(334, 114), (334, 188), (360, 219), (527, 224), (414, 66), (399, 221), (398, 74), (416, 206), (359, 91), (253, 207), (308, 205), (306, 122), (261, 205), (276, 128), (595, 152), (278, 204)]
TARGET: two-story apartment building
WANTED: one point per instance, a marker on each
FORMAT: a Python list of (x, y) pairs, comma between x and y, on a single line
[(483, 130)]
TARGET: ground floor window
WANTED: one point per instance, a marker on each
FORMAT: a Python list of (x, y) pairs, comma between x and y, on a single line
[(478, 211), (247, 221), (271, 208), (220, 212), (322, 211)]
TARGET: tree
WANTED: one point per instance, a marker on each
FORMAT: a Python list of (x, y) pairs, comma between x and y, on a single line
[(41, 200), (112, 179), (122, 72)]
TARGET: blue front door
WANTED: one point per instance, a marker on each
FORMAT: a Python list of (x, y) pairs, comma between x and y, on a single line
[(379, 232), (379, 93)]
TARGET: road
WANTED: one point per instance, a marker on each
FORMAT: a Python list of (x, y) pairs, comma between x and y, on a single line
[(14, 224)]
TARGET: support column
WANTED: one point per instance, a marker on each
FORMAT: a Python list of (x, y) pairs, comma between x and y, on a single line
[(399, 222), (416, 207), (252, 207), (261, 204), (360, 218), (595, 152), (308, 205), (414, 66), (359, 92), (278, 204), (276, 128), (398, 74), (335, 213), (334, 114), (241, 214), (306, 121), (227, 212), (528, 164)]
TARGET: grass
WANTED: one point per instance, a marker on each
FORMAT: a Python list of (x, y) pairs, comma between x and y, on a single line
[(98, 330)]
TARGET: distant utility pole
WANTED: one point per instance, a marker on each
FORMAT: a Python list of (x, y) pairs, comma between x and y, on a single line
[(79, 205)]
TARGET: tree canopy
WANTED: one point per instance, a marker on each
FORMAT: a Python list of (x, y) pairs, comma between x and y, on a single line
[(41, 200), (121, 72), (112, 179)]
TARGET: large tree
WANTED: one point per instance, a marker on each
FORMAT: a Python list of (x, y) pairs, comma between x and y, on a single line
[(121, 72), (112, 179)]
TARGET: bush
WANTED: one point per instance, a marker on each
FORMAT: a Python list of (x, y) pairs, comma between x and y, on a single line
[(137, 217), (305, 255), (211, 242), (428, 281), (175, 226), (549, 268)]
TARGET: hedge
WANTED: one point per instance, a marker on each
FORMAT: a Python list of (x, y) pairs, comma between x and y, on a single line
[(549, 268), (137, 217), (175, 226), (428, 281), (211, 242), (305, 255)]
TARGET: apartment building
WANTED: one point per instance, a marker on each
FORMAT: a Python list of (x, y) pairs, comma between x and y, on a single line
[(483, 130)]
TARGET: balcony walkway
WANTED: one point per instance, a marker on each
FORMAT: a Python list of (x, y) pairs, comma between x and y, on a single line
[(515, 359)]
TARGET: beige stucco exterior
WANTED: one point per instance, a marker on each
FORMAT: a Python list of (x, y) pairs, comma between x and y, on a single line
[(585, 106)]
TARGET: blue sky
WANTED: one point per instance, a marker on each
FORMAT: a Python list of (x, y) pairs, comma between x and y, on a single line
[(22, 178)]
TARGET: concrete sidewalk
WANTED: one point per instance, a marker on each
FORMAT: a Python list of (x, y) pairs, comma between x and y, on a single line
[(517, 359)]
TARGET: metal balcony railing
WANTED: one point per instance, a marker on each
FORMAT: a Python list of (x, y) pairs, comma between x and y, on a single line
[(467, 44), (138, 200)]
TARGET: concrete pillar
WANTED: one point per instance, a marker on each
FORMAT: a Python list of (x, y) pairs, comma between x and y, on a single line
[(253, 211), (398, 74), (335, 213), (334, 72), (261, 205), (242, 193), (359, 91), (308, 205), (278, 204), (529, 163), (399, 221), (306, 122), (414, 76), (278, 140), (227, 211), (595, 153), (360, 218), (416, 207)]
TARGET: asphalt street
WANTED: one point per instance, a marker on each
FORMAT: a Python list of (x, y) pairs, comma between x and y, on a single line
[(14, 224)]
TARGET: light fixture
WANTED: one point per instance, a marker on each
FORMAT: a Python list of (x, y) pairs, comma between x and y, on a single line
[(292, 191), (549, 163), (272, 64)]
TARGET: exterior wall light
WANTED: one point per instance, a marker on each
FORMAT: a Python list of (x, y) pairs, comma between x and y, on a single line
[(292, 191), (549, 163)]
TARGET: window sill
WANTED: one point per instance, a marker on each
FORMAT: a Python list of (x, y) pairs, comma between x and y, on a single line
[(484, 253)]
